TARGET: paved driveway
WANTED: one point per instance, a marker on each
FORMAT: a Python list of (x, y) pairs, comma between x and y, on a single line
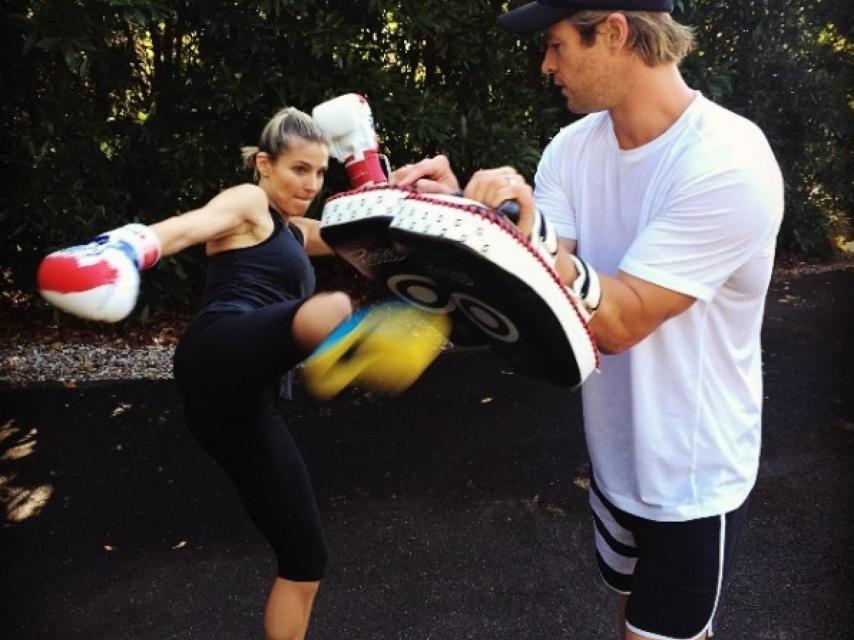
[(454, 511)]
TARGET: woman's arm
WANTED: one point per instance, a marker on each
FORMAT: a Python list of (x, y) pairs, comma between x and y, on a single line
[(100, 280), (234, 210), (314, 244)]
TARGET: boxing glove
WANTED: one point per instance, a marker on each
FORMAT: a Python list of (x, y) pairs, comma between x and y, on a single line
[(99, 280), (349, 125)]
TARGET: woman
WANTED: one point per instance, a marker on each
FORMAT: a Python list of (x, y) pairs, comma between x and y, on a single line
[(258, 320)]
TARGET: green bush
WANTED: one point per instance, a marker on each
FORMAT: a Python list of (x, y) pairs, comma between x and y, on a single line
[(121, 110), (788, 67)]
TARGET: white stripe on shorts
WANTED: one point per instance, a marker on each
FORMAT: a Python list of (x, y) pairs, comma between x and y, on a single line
[(617, 532), (617, 561)]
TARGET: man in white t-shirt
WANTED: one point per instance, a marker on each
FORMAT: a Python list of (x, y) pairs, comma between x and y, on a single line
[(668, 207)]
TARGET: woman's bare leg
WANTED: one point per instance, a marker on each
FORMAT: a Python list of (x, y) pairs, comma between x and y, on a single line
[(289, 609)]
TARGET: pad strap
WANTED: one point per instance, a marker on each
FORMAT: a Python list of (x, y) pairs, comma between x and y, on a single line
[(544, 238), (586, 285)]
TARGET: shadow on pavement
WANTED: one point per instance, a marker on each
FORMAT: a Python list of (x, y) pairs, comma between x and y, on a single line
[(456, 510)]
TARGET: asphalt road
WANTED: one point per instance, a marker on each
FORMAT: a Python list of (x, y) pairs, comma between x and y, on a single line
[(454, 511)]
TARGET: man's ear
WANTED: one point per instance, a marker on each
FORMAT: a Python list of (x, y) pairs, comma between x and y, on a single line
[(615, 31)]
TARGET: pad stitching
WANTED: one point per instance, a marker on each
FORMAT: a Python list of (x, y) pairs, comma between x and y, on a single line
[(371, 187)]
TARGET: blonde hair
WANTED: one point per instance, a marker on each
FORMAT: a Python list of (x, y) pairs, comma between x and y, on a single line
[(280, 132), (653, 35)]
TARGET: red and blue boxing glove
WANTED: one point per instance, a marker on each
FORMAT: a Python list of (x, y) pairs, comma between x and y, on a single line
[(100, 280)]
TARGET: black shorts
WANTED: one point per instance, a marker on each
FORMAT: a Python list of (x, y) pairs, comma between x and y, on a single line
[(673, 572)]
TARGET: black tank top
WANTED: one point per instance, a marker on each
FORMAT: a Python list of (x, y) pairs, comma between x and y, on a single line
[(275, 270)]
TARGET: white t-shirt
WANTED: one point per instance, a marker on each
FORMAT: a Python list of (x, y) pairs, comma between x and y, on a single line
[(673, 425)]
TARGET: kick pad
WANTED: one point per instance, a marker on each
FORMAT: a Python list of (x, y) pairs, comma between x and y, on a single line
[(356, 224), (477, 264)]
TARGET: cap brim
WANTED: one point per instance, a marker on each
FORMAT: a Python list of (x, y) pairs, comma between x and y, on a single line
[(532, 17)]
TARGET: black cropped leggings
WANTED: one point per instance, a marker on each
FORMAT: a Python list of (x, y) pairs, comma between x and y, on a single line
[(227, 366)]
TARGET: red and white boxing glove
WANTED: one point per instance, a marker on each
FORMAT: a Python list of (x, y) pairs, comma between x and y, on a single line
[(348, 123), (100, 280)]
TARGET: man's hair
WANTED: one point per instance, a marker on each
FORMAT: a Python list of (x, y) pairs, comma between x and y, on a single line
[(279, 133), (653, 35)]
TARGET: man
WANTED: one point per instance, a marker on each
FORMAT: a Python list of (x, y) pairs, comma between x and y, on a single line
[(668, 207)]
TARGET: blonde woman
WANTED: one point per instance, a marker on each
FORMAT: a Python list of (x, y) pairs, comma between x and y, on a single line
[(259, 318)]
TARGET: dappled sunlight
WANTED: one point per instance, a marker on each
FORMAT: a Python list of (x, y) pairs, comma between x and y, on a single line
[(7, 431), (22, 503), (19, 501), (19, 451)]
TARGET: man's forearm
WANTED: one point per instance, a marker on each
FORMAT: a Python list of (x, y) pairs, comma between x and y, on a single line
[(628, 308)]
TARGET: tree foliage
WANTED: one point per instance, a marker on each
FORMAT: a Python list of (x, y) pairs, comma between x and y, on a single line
[(788, 67), (120, 110)]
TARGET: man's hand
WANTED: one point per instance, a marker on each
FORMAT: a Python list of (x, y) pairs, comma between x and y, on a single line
[(494, 187), (431, 175)]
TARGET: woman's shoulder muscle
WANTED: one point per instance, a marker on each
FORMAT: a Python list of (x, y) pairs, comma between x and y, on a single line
[(246, 208), (235, 216), (246, 201)]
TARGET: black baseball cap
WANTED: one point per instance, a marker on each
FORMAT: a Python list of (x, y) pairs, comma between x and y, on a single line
[(536, 16)]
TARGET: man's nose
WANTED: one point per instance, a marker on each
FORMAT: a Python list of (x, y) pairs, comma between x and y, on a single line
[(547, 66)]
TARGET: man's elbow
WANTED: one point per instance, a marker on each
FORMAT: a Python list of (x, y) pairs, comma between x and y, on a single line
[(613, 348), (613, 341)]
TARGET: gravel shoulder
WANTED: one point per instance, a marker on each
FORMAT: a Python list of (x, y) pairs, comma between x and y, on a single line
[(86, 355)]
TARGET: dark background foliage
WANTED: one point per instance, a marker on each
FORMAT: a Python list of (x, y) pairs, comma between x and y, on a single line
[(121, 110)]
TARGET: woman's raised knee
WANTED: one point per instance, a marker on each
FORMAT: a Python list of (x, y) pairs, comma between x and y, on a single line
[(339, 303), (318, 317)]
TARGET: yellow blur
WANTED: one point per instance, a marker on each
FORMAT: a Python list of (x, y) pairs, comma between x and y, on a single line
[(387, 351)]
